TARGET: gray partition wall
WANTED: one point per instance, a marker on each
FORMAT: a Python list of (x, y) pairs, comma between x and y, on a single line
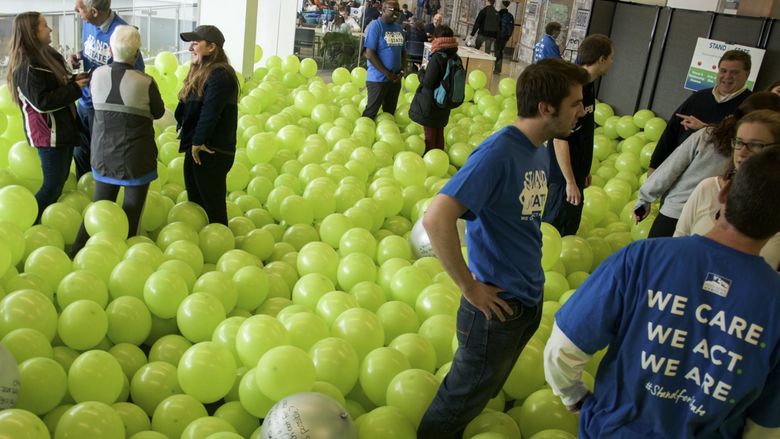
[(654, 46)]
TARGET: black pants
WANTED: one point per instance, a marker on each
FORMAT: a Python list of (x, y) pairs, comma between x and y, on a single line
[(663, 226), (384, 94), (206, 183), (133, 205), (500, 45), (561, 214), (81, 152)]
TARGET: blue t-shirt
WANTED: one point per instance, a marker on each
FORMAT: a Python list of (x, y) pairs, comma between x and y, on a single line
[(95, 51), (694, 340), (387, 40), (504, 187), (546, 48)]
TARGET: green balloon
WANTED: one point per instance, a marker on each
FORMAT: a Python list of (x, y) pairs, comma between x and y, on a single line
[(175, 413), (235, 414), (28, 309), (492, 422), (26, 343), (21, 424), (283, 371), (164, 291), (412, 391), (18, 206), (134, 419), (207, 427), (553, 434), (95, 376), (361, 328), (378, 369), (542, 410), (527, 375), (90, 419), (419, 351), (166, 62), (82, 325), (257, 335), (129, 320), (152, 383), (43, 385), (335, 362), (654, 128), (389, 422), (198, 315), (207, 371)]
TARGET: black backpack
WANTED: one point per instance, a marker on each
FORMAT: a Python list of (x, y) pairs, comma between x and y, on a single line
[(451, 91), (491, 23)]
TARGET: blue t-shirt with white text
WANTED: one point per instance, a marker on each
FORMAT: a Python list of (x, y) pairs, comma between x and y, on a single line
[(96, 52), (387, 40), (694, 341), (504, 187), (547, 47)]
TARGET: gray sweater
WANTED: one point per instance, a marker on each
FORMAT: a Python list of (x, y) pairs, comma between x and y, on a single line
[(693, 161)]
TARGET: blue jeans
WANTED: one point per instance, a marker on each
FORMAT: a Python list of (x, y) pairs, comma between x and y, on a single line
[(55, 163), (487, 351)]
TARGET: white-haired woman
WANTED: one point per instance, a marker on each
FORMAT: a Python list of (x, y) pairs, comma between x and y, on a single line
[(124, 153)]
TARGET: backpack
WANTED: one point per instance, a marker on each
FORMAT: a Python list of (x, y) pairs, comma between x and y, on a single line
[(507, 25), (491, 20), (450, 93)]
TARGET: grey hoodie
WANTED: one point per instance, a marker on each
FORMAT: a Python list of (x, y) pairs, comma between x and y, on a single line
[(693, 161)]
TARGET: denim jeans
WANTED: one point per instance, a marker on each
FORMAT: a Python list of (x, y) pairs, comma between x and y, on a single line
[(487, 351), (55, 164)]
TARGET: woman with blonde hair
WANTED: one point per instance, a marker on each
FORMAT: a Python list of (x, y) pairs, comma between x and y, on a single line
[(755, 131), (207, 117), (45, 91)]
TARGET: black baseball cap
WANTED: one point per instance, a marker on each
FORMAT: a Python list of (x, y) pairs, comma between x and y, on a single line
[(204, 32)]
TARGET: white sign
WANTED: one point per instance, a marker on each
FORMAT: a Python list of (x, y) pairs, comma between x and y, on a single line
[(704, 63)]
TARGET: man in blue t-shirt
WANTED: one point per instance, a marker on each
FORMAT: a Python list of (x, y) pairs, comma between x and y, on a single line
[(99, 23), (500, 191), (691, 324), (386, 55), (547, 47), (572, 156)]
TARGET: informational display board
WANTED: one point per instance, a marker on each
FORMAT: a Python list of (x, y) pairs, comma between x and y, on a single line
[(704, 63)]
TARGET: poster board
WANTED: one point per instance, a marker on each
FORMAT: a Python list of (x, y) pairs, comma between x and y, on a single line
[(704, 63)]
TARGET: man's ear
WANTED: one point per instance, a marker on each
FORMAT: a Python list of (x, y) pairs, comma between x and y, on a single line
[(545, 109)]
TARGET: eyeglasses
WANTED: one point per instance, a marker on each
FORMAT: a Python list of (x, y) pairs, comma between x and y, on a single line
[(738, 144), (390, 9)]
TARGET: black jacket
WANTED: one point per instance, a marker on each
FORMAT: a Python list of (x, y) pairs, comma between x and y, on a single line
[(423, 109), (211, 119), (48, 107), (479, 24), (126, 102)]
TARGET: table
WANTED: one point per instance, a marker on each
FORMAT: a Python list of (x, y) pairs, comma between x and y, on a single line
[(473, 59)]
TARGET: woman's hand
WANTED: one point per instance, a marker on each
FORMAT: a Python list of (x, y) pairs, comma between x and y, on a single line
[(196, 149)]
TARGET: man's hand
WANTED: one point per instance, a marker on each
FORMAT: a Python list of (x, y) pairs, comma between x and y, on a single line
[(82, 81), (73, 59), (690, 122), (485, 298), (640, 213), (578, 406), (573, 195), (196, 149)]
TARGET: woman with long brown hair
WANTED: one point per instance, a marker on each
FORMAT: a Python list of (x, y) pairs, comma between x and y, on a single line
[(207, 117), (45, 91)]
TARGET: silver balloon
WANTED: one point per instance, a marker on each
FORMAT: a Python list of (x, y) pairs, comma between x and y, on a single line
[(9, 379), (308, 416), (421, 243)]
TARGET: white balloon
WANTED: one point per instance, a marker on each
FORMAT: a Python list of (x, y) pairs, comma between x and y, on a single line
[(421, 243)]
